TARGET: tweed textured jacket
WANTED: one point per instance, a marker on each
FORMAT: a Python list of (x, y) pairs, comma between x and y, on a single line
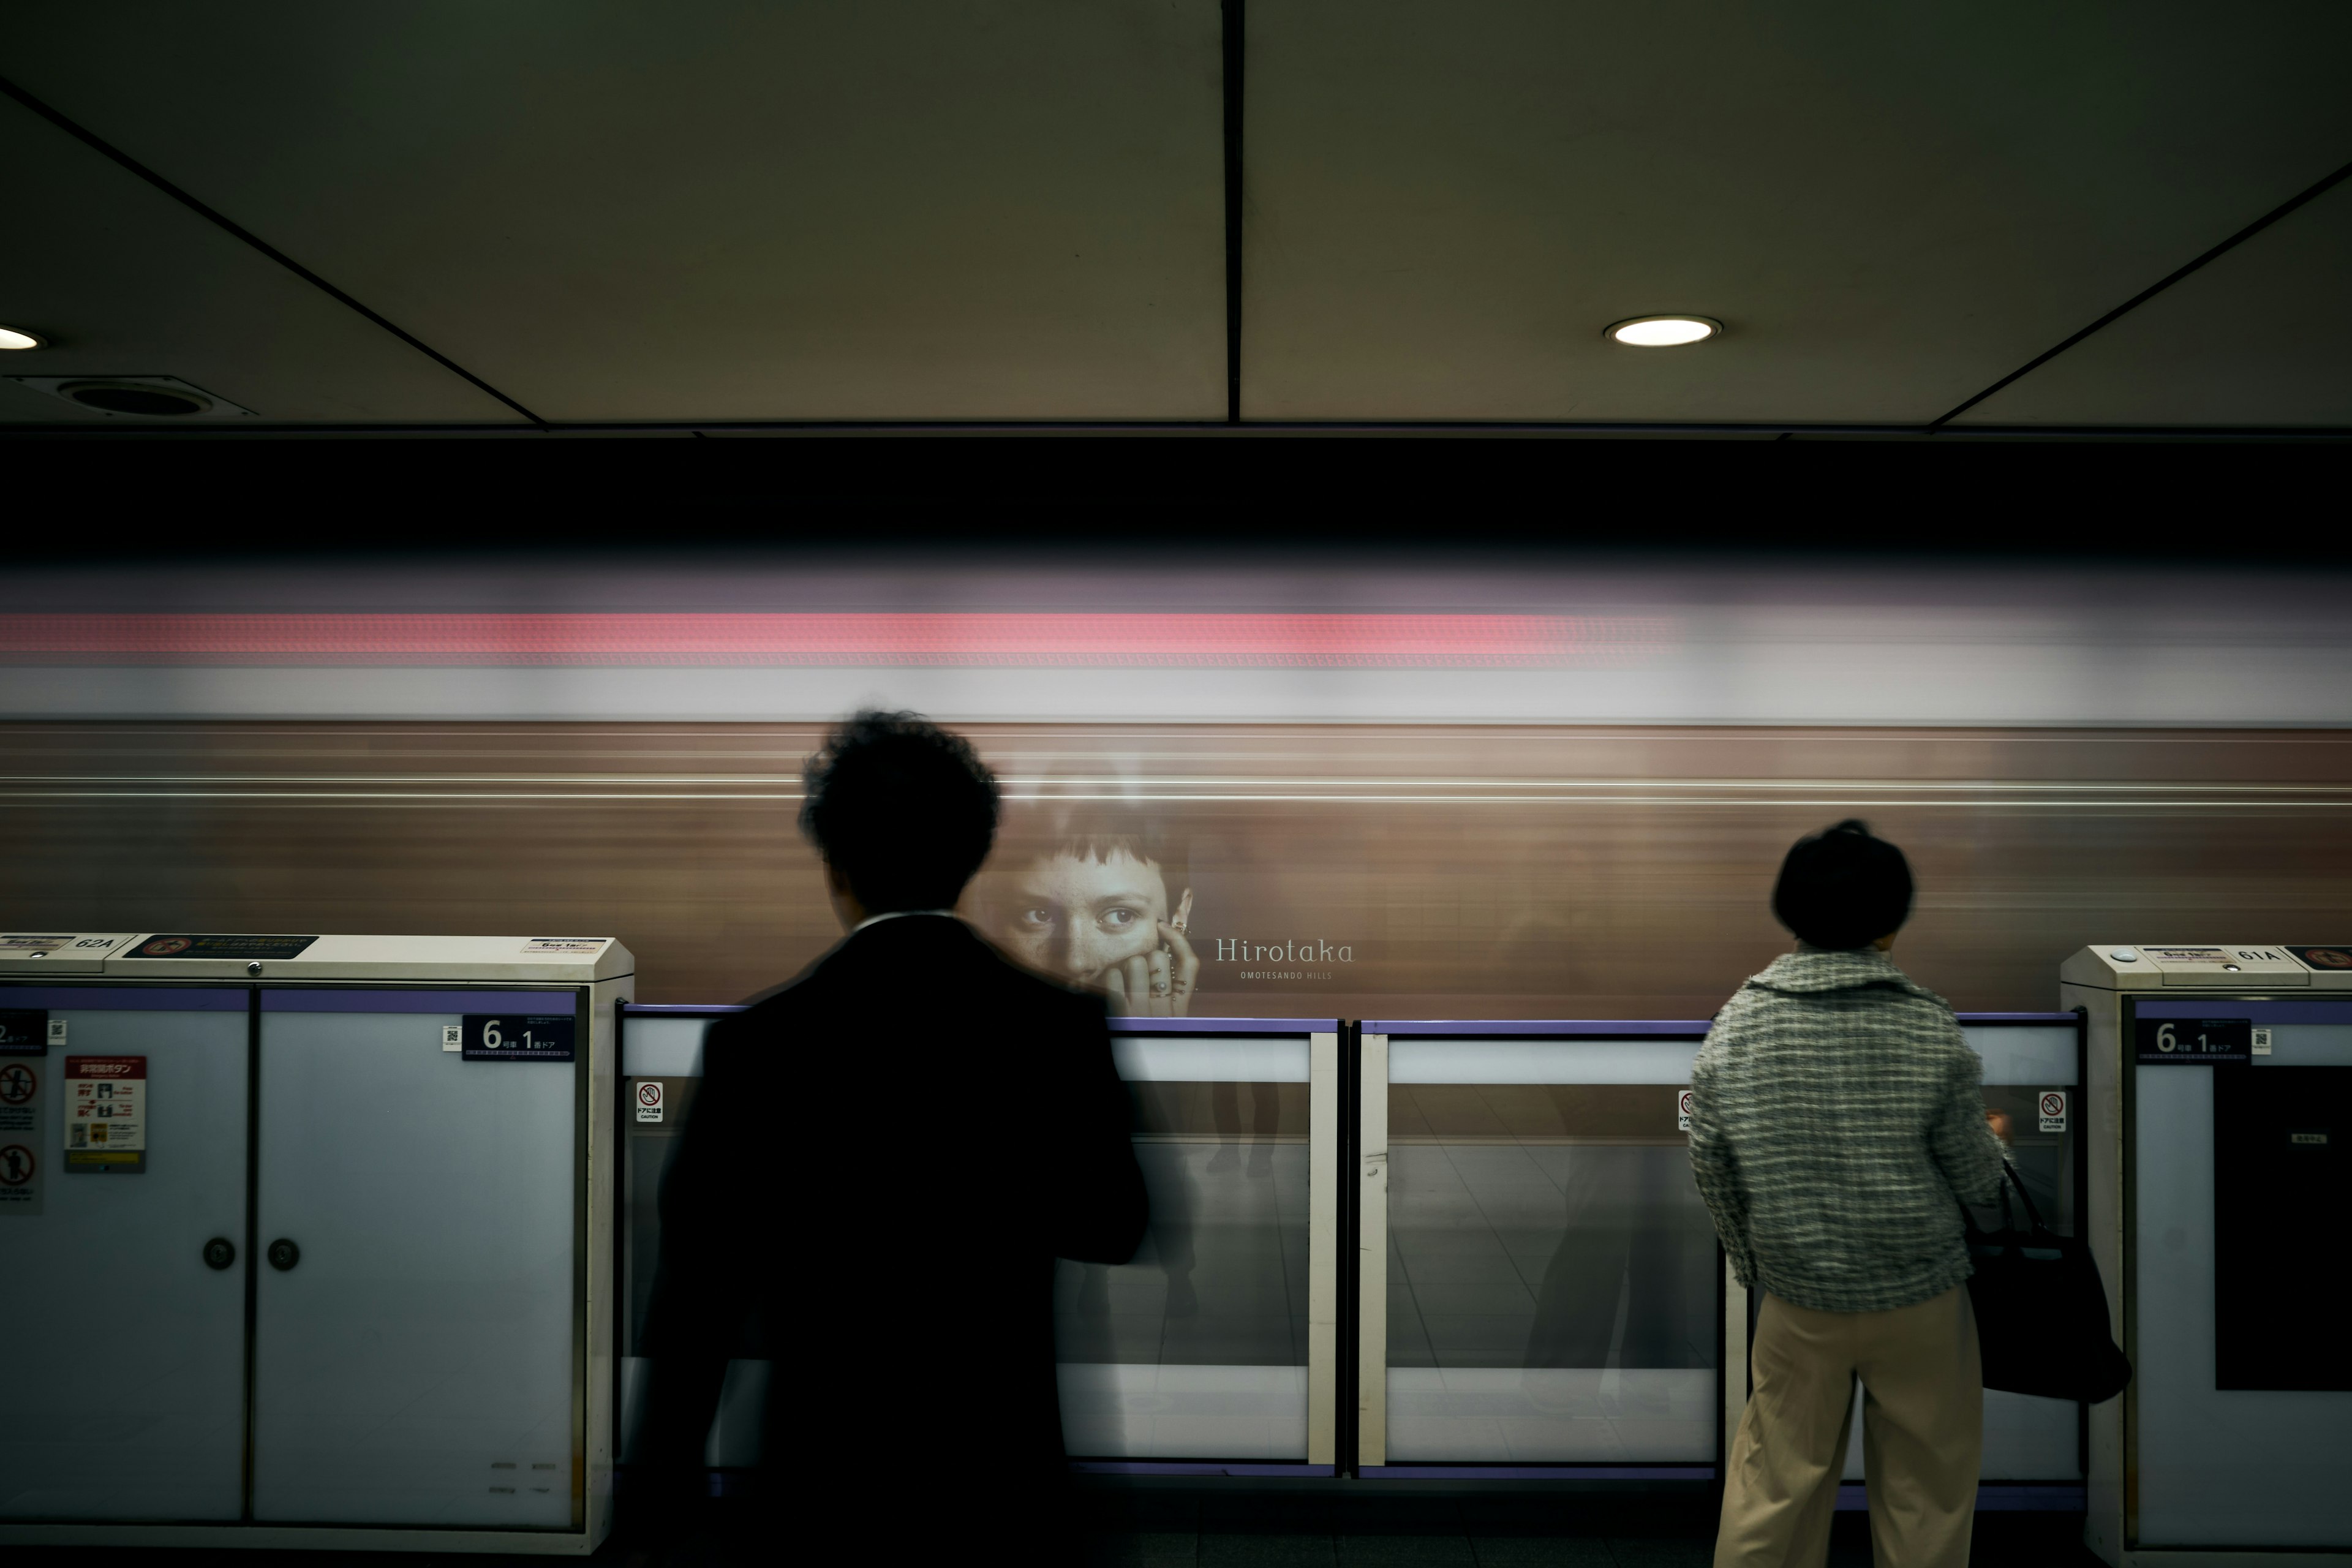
[(1835, 1115)]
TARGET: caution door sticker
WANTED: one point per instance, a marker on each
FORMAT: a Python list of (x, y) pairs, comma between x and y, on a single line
[(2053, 1111), (649, 1101), (105, 1114), (20, 1141), (1683, 1110)]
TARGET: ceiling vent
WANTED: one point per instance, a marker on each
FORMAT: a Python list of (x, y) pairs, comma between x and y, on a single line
[(136, 396)]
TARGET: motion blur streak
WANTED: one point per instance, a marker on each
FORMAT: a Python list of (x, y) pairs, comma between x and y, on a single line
[(1160, 638), (1439, 786), (1467, 641), (1536, 871)]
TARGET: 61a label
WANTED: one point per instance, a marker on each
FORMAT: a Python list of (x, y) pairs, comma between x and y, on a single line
[(517, 1037), (2195, 1042)]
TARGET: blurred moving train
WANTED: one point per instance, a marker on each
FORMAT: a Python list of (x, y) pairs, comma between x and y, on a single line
[(1435, 787)]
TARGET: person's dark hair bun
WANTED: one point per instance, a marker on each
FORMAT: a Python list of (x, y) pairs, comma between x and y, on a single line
[(1842, 887), (903, 809)]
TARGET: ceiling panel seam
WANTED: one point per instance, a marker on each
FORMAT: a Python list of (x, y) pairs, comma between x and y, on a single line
[(2301, 198), (1233, 15), (108, 149)]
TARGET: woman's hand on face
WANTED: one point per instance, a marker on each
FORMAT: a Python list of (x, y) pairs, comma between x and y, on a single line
[(1154, 984), (1185, 969), (1136, 988)]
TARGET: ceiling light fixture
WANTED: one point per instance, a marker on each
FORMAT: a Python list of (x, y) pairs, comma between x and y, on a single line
[(1662, 332), (17, 338)]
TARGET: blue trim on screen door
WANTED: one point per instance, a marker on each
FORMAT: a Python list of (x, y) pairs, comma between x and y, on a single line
[(1537, 1472), (1589, 1028), (340, 1001), (1119, 1026), (118, 998), (2296, 1012)]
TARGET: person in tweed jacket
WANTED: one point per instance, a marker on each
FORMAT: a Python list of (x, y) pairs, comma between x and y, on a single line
[(1836, 1125)]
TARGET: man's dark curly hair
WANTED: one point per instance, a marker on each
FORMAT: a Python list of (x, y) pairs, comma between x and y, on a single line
[(904, 810)]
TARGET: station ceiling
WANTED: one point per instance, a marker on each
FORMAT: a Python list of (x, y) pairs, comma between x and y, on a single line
[(418, 216)]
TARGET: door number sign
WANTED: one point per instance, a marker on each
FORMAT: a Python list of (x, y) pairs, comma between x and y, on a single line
[(2196, 1042), (514, 1036)]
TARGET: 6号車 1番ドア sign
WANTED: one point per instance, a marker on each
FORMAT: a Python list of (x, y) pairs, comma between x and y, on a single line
[(517, 1037), (2193, 1042)]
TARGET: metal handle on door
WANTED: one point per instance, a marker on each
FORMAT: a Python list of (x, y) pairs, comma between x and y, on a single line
[(283, 1255), (219, 1252)]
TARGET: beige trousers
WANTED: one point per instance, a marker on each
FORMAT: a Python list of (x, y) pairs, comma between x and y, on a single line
[(1922, 1434)]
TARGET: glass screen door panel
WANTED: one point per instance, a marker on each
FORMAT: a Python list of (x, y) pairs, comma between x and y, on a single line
[(2227, 1459), (1552, 1295), (1197, 1348), (125, 1399), (417, 1364), (2026, 1438), (661, 1045)]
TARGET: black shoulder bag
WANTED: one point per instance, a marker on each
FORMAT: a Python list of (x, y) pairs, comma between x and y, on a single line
[(2041, 1310)]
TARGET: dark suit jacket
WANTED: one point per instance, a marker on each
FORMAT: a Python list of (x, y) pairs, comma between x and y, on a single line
[(882, 1161)]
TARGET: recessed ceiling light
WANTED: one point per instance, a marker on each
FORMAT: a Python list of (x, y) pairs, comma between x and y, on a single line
[(1662, 332), (12, 338)]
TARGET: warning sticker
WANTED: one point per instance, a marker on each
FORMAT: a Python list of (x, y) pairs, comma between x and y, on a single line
[(566, 945), (1683, 1110), (649, 1101), (106, 1113), (2053, 1111), (20, 1180), (13, 944), (20, 1140)]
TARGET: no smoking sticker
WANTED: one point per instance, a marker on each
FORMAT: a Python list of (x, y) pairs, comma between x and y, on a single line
[(2053, 1111), (649, 1102)]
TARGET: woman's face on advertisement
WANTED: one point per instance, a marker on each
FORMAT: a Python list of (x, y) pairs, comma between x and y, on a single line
[(1076, 917)]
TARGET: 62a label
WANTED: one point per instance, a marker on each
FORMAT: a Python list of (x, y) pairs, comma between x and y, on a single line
[(2195, 1042), (517, 1037)]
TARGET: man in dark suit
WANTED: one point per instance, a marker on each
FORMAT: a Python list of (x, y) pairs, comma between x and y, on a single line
[(883, 1158)]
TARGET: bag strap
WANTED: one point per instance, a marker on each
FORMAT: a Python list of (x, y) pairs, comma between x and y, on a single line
[(2008, 1178)]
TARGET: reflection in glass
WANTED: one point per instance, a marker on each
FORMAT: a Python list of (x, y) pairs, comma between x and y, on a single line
[(1552, 1290), (1197, 1349)]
